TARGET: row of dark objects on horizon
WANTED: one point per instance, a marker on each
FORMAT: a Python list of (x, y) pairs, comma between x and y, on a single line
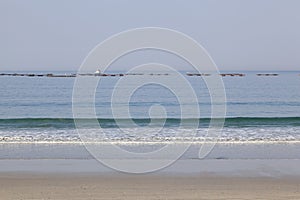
[(229, 74), (234, 74), (38, 75), (75, 75), (151, 74)]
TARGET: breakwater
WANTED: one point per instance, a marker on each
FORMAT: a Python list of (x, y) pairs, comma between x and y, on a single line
[(50, 75)]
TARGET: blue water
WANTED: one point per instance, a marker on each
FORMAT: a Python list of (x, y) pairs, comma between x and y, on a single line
[(258, 109)]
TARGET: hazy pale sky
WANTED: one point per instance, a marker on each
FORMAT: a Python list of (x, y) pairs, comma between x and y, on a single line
[(238, 34)]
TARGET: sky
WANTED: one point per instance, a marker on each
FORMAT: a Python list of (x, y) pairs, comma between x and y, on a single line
[(53, 35)]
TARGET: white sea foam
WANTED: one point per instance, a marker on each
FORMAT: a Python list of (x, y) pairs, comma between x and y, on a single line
[(151, 135)]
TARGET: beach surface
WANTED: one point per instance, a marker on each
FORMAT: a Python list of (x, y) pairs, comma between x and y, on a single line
[(93, 186), (186, 179)]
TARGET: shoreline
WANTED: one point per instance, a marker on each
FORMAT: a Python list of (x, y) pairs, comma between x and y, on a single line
[(156, 143), (242, 168), (220, 151), (231, 171)]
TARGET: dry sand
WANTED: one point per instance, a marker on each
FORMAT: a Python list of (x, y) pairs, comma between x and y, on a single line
[(122, 186)]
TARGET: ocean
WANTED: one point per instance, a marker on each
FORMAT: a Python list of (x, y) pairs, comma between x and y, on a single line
[(39, 109), (262, 118)]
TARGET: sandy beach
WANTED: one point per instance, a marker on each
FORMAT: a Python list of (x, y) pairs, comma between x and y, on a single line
[(198, 179), (92, 186)]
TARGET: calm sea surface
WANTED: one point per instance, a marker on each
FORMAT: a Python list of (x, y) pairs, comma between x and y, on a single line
[(258, 109)]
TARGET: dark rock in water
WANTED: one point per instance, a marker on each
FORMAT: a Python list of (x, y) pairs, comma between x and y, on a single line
[(232, 74), (196, 74), (64, 76), (88, 74), (267, 74)]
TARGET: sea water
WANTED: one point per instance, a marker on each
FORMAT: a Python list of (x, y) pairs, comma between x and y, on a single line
[(259, 109)]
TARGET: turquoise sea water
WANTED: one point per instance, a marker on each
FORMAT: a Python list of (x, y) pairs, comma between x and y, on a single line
[(258, 109)]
